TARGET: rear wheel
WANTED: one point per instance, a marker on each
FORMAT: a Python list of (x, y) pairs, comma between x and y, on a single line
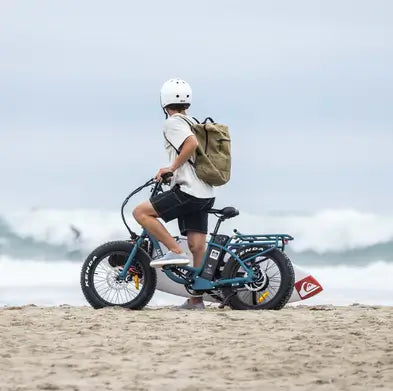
[(271, 289), (100, 283)]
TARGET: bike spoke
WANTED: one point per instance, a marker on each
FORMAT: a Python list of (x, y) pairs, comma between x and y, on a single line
[(268, 263), (107, 291), (259, 261), (105, 265), (268, 268), (111, 298), (274, 275), (270, 289), (121, 296)]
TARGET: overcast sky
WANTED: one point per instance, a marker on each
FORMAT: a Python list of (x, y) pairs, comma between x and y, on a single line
[(305, 86)]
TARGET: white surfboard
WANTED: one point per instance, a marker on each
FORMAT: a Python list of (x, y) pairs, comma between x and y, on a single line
[(306, 285)]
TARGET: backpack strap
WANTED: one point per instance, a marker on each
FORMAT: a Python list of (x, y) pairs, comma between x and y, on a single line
[(184, 118), (178, 151)]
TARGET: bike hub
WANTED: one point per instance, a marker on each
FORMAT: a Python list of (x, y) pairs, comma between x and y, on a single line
[(261, 280)]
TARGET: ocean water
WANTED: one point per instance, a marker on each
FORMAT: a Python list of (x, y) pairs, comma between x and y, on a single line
[(349, 252)]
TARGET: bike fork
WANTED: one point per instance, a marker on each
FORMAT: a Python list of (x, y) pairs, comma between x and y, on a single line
[(130, 261)]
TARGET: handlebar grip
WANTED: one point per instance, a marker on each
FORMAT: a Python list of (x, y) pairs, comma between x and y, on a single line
[(165, 177)]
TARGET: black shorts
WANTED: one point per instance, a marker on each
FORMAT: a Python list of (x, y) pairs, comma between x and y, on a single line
[(190, 211)]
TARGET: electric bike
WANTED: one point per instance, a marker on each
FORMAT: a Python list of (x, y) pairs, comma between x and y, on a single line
[(244, 271)]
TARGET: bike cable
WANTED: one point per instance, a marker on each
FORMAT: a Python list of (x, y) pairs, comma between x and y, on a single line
[(148, 183), (165, 178)]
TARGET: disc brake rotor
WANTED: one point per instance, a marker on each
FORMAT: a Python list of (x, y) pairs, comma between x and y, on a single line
[(113, 281), (134, 275)]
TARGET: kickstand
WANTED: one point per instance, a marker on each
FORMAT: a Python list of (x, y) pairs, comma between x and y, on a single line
[(225, 301)]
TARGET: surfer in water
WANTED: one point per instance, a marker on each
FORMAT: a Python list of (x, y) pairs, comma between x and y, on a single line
[(189, 197), (77, 233)]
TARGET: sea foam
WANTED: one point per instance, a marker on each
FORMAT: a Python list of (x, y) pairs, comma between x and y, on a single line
[(329, 231)]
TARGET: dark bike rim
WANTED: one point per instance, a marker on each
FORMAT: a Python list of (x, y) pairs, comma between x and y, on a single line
[(109, 289)]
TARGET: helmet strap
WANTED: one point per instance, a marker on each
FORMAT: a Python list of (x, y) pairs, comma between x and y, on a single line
[(165, 112)]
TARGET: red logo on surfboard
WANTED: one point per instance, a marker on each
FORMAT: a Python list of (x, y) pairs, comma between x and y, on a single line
[(308, 287)]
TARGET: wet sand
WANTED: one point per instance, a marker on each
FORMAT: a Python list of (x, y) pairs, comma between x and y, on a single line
[(297, 348)]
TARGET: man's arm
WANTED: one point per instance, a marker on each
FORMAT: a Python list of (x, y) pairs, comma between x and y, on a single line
[(187, 150)]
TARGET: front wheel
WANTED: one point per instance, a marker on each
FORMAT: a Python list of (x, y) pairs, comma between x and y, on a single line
[(100, 283), (273, 286)]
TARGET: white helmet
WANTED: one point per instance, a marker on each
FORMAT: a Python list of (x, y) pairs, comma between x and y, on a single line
[(175, 91)]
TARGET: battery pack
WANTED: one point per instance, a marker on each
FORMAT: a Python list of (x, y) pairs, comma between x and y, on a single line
[(215, 257)]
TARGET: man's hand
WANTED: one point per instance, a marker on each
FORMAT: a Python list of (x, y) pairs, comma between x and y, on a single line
[(163, 171)]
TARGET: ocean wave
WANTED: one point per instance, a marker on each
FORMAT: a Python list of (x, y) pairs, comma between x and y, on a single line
[(328, 230), (50, 282), (326, 237), (54, 283), (343, 285)]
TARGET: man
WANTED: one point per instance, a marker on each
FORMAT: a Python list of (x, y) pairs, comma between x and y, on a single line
[(189, 197)]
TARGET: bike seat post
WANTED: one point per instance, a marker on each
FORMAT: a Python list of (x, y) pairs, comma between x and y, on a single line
[(217, 227)]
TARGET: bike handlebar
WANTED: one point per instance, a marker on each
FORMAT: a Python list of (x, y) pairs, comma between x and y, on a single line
[(165, 177)]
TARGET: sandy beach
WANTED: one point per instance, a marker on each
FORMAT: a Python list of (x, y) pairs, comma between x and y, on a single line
[(297, 348)]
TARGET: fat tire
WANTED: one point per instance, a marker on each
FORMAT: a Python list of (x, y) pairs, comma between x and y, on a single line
[(286, 288), (88, 268)]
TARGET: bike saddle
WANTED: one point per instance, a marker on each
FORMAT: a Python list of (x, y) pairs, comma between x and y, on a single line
[(227, 212)]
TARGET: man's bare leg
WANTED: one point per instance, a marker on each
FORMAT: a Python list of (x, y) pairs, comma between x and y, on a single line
[(146, 216), (197, 246)]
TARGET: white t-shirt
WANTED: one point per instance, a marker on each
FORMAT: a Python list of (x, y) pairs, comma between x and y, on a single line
[(176, 130)]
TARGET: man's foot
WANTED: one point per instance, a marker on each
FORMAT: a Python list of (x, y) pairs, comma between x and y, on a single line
[(188, 305), (171, 258)]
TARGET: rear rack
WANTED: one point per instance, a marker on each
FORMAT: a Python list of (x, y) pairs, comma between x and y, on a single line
[(273, 240)]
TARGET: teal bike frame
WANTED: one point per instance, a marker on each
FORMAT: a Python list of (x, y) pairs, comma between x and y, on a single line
[(192, 278)]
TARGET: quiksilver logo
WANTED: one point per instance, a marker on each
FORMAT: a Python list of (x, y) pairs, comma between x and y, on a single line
[(308, 287)]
